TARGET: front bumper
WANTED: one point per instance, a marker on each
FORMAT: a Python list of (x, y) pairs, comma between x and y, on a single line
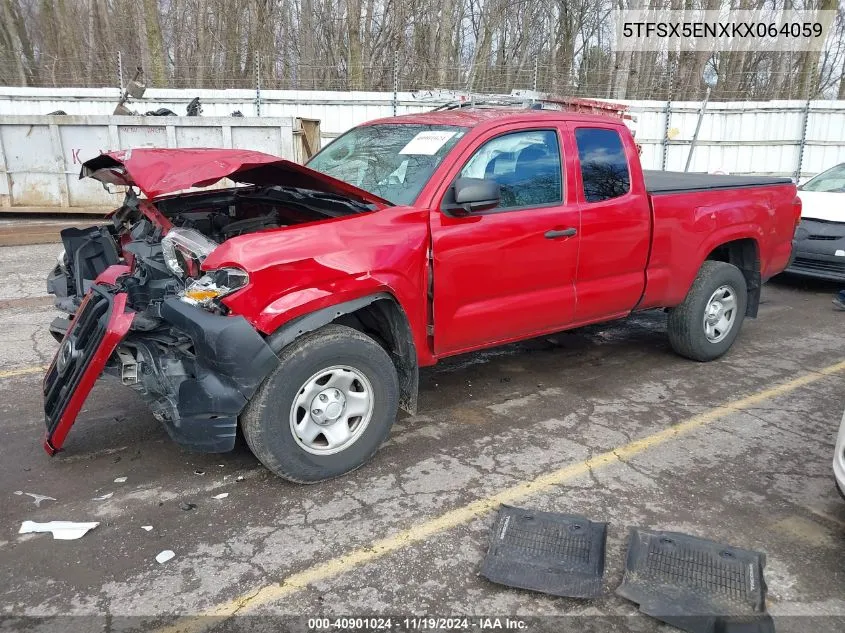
[(830, 267), (198, 392), (196, 372), (815, 250)]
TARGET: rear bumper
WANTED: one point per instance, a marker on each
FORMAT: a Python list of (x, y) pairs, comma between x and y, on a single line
[(196, 386)]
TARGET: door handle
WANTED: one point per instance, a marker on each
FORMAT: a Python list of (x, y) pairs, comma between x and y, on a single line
[(570, 232)]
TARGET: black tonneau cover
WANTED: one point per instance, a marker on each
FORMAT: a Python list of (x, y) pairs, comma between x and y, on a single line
[(658, 182)]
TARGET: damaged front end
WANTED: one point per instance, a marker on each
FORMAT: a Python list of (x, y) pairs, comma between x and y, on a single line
[(153, 319), (195, 369), (142, 307)]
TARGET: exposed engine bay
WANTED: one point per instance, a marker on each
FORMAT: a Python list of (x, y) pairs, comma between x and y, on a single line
[(164, 265), (231, 212)]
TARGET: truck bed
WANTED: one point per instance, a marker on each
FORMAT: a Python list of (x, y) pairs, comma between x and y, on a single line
[(663, 182)]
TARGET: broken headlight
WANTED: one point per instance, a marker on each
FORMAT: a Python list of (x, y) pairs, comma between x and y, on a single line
[(214, 285), (184, 250), (61, 260)]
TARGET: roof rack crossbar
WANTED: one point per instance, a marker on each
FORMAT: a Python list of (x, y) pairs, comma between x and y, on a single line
[(473, 103), (538, 101)]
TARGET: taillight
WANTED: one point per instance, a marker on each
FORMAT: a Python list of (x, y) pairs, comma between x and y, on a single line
[(796, 209)]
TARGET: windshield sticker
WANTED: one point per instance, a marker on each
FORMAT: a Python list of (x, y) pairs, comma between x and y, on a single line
[(427, 143)]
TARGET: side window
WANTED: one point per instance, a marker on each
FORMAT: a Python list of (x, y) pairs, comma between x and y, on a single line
[(604, 166), (525, 164)]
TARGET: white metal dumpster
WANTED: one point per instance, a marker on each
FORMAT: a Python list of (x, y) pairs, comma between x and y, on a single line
[(40, 156)]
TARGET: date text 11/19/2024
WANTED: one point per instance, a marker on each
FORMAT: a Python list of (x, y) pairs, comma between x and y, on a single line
[(416, 623)]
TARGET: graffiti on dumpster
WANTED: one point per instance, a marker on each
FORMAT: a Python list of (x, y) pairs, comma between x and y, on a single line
[(75, 158)]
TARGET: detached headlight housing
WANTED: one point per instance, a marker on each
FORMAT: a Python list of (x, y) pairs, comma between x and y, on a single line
[(214, 285), (184, 250)]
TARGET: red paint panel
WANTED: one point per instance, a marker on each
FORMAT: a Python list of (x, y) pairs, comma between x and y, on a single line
[(615, 239), (689, 226), (496, 275), (109, 275), (160, 171), (297, 270)]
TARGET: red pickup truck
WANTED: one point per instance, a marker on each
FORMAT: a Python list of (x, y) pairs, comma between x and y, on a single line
[(302, 302)]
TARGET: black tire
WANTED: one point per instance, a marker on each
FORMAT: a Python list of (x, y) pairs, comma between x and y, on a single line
[(686, 322), (266, 418)]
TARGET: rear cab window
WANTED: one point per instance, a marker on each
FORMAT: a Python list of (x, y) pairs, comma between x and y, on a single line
[(526, 165), (604, 164)]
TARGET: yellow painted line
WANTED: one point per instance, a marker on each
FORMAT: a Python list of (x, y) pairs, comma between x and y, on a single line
[(460, 516), (24, 371)]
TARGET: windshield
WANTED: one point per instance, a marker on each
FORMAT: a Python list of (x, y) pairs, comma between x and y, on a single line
[(392, 161), (832, 180)]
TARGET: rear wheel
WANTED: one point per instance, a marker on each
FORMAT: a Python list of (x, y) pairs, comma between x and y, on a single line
[(326, 409), (706, 324)]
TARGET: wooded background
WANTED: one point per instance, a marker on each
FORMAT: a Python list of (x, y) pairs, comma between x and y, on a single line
[(560, 46)]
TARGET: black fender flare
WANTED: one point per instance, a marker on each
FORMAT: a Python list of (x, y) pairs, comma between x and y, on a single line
[(392, 318)]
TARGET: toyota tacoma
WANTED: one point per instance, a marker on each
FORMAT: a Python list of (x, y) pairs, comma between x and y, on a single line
[(300, 302)]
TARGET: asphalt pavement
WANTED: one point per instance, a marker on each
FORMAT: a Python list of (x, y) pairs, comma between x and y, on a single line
[(604, 422)]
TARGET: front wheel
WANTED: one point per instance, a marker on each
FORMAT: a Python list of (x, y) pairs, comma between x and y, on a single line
[(326, 409), (708, 321)]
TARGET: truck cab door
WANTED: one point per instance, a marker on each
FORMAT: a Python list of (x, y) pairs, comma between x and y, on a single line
[(615, 221), (509, 272)]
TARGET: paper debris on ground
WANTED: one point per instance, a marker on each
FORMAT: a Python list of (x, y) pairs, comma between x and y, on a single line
[(165, 556), (222, 495), (37, 499), (62, 530), (147, 527), (103, 497), (120, 480)]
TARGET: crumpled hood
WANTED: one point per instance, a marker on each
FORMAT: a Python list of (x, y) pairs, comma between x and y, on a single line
[(161, 171), (822, 205)]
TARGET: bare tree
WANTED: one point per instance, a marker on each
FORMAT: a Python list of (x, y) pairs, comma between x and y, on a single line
[(483, 45)]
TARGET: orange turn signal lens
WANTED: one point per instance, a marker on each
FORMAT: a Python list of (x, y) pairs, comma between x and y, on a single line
[(201, 294)]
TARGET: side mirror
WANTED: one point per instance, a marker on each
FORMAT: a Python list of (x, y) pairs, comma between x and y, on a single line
[(473, 194)]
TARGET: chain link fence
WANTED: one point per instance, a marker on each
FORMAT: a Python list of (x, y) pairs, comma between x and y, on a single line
[(643, 78)]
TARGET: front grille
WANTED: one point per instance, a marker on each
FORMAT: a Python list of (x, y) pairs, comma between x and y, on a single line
[(825, 238), (75, 354), (819, 265)]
